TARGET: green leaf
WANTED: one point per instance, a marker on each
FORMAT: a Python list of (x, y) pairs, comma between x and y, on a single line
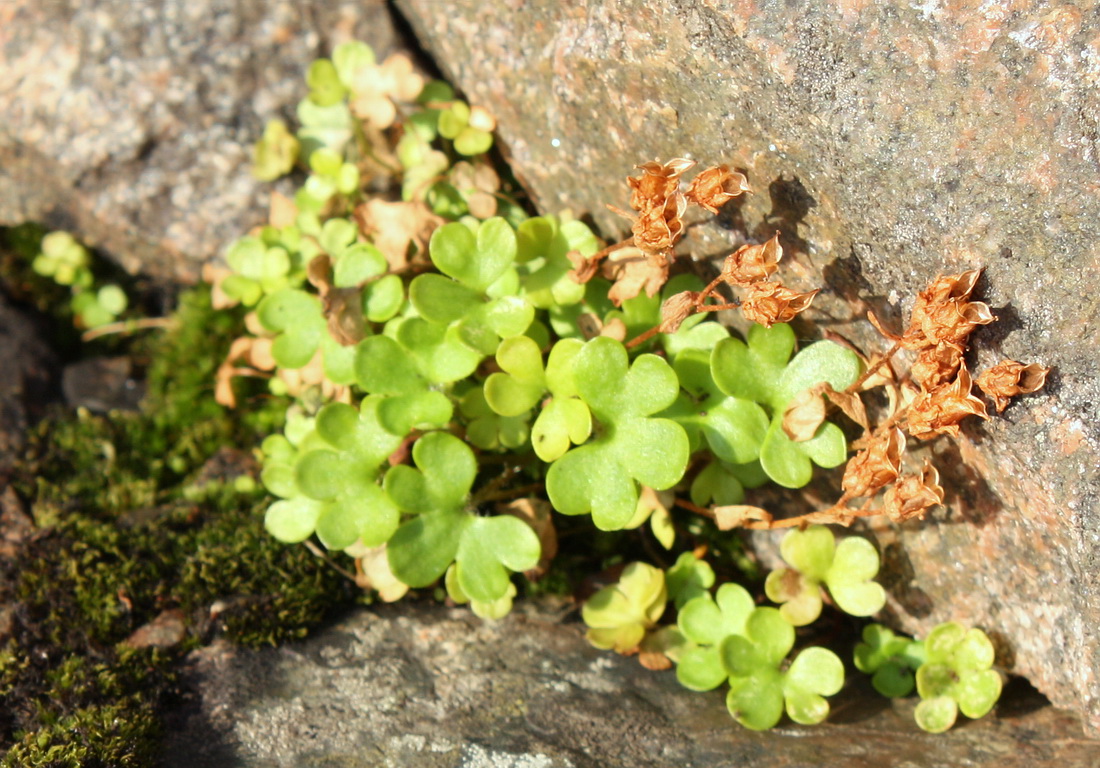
[(292, 520), (490, 548), (855, 563), (937, 715), (618, 616), (599, 477), (474, 260), (445, 472), (297, 319), (756, 700), (708, 621), (424, 547), (688, 578), (473, 141), (325, 88), (700, 668)]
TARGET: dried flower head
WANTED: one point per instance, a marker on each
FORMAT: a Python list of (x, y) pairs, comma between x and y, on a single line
[(936, 365), (770, 303), (876, 466), (912, 495), (657, 229), (939, 412), (752, 263), (943, 312), (676, 309), (657, 183), (1008, 378), (716, 186)]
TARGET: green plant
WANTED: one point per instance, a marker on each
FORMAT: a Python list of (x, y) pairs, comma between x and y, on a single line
[(890, 660), (817, 560), (451, 357), (956, 676), (64, 260)]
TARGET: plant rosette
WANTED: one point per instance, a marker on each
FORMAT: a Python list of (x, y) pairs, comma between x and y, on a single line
[(816, 560), (601, 477), (890, 659), (957, 676), (761, 689), (762, 371), (440, 530), (706, 622), (618, 616), (329, 481)]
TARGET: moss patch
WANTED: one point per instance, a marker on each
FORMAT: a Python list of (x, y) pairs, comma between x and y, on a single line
[(139, 514)]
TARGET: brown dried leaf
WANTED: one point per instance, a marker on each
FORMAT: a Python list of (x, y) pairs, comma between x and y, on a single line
[(805, 413), (676, 309), (913, 495), (849, 403), (940, 411), (376, 86), (215, 275), (716, 186), (1008, 378), (736, 515), (632, 272), (342, 307), (770, 303), (752, 263), (392, 227), (876, 466), (584, 269), (282, 212)]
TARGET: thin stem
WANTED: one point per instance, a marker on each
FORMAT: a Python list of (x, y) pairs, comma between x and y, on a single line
[(128, 326), (508, 493), (690, 507), (855, 385), (643, 337), (317, 551)]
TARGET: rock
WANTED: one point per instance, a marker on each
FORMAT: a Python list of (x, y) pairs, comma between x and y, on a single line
[(888, 143), (133, 126), (102, 384), (421, 685), (27, 379)]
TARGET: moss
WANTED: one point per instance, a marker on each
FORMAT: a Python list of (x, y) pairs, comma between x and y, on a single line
[(140, 513), (93, 714)]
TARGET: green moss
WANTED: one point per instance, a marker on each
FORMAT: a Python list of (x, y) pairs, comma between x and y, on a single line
[(140, 513)]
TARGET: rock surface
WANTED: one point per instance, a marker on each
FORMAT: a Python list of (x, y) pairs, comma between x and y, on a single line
[(424, 686), (27, 379), (888, 142), (133, 125)]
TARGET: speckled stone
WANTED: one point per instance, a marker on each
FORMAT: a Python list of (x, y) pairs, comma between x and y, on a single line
[(425, 686), (888, 142), (132, 123)]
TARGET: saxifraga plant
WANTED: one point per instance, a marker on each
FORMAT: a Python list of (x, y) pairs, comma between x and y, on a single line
[(448, 353)]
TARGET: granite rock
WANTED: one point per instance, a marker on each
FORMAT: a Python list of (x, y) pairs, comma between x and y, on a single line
[(888, 143), (132, 124), (421, 685)]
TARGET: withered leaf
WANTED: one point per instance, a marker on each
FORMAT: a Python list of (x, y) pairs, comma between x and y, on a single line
[(733, 516), (805, 413), (342, 307)]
